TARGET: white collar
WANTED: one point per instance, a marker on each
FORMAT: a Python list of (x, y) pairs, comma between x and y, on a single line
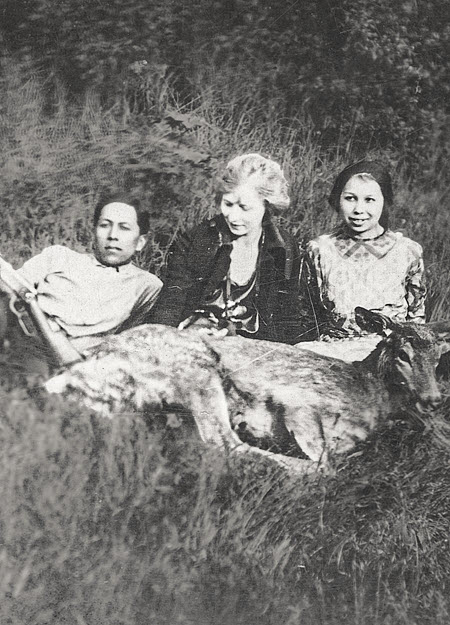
[(120, 268)]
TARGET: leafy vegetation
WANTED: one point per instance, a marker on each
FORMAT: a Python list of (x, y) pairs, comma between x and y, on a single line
[(370, 70), (130, 521)]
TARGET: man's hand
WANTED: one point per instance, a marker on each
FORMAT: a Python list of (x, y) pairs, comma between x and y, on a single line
[(215, 332)]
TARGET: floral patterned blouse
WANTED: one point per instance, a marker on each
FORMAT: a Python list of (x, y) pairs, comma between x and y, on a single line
[(385, 274)]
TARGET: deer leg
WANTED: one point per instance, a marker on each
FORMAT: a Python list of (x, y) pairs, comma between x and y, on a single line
[(212, 418), (301, 421)]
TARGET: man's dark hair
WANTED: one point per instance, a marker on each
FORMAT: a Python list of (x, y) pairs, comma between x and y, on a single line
[(143, 218)]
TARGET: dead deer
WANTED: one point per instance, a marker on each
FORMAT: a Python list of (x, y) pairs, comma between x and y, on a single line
[(155, 368), (302, 403), (257, 396)]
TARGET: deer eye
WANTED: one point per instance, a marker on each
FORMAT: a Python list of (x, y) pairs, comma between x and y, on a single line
[(404, 356)]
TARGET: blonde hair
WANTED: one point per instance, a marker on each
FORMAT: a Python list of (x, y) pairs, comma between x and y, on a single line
[(263, 173)]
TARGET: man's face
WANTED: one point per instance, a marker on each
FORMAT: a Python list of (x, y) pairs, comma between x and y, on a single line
[(117, 235)]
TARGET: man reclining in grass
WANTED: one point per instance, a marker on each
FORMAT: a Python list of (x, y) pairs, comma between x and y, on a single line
[(87, 296)]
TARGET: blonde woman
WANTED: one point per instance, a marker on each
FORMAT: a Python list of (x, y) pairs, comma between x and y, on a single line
[(237, 271)]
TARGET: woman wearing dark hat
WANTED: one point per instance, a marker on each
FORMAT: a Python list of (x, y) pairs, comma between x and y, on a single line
[(237, 272), (363, 262)]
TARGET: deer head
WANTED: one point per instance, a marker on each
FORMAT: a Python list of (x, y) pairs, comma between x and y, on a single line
[(407, 357)]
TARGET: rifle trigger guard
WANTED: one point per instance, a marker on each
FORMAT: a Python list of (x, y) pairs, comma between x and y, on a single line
[(22, 315)]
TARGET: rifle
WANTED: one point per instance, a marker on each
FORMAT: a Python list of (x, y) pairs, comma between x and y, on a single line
[(23, 303)]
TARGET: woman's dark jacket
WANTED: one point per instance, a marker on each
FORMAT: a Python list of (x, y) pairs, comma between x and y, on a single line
[(198, 262)]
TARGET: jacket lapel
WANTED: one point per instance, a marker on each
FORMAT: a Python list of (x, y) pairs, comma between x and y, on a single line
[(272, 265)]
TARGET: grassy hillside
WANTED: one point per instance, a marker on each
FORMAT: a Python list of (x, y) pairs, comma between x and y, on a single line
[(121, 524)]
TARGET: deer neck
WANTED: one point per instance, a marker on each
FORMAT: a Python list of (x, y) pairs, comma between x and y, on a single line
[(371, 365), (372, 368)]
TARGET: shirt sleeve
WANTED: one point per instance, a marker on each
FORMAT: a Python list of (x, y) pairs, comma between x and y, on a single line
[(147, 301), (179, 281), (308, 300), (287, 319), (325, 320), (416, 290), (144, 303), (313, 279), (38, 267), (312, 276)]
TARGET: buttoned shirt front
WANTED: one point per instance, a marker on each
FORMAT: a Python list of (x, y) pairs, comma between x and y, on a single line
[(87, 298)]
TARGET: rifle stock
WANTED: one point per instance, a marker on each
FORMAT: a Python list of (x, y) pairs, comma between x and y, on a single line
[(60, 349)]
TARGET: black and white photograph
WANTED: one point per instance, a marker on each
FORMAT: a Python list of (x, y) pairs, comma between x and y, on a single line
[(224, 312)]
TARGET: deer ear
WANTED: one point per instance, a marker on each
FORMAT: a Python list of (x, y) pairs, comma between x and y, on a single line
[(375, 322)]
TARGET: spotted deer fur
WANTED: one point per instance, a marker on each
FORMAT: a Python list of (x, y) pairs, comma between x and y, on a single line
[(255, 396), (311, 405)]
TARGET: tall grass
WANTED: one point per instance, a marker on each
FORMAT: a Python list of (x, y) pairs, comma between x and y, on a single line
[(112, 522), (56, 156), (130, 521)]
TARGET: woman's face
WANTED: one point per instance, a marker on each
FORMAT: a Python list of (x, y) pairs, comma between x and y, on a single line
[(243, 210), (360, 206)]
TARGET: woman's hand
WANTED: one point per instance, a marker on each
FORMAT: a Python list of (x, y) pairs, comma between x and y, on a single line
[(203, 325), (333, 332), (215, 332)]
